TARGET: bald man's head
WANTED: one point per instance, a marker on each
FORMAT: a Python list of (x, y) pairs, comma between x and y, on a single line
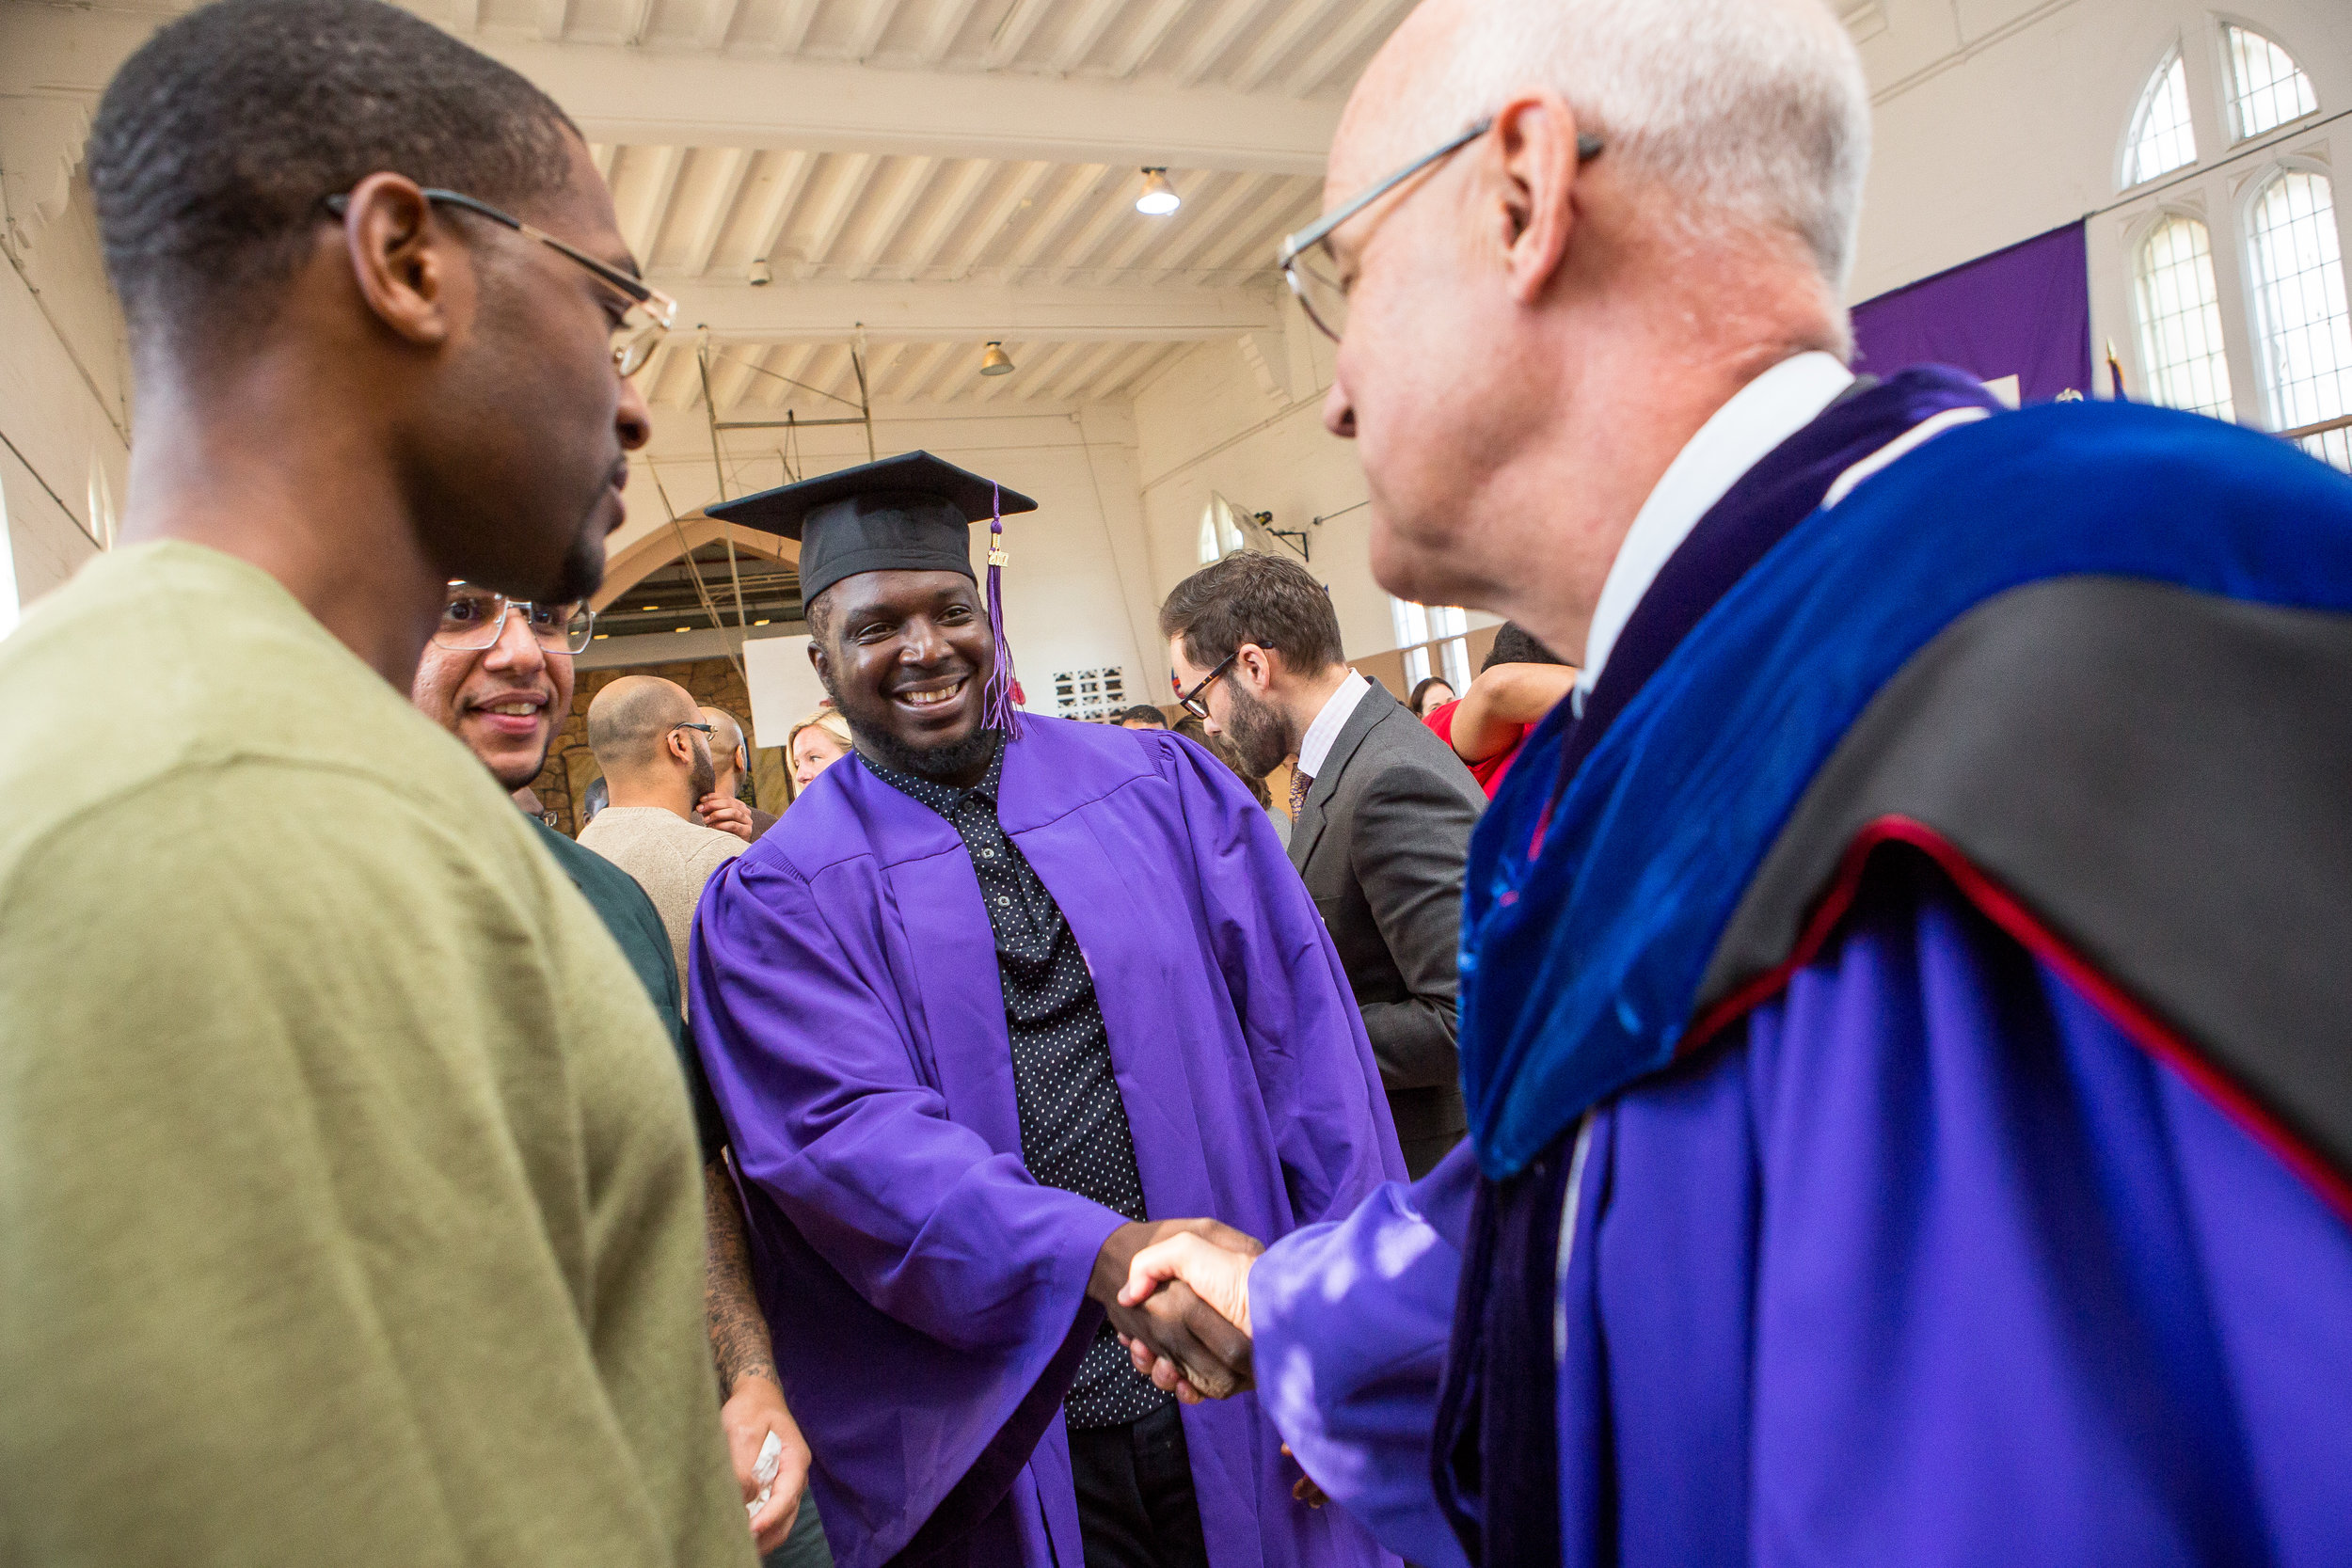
[(728, 753), (1659, 206), (639, 728)]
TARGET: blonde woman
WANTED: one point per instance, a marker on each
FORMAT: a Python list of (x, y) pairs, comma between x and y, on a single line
[(815, 744)]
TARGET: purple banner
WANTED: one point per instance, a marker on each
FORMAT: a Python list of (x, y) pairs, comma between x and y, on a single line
[(2024, 312)]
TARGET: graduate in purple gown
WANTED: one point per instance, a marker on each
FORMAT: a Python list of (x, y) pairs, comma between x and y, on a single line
[(997, 998), (1903, 1014)]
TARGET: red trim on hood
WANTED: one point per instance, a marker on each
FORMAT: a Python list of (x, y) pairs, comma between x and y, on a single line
[(1996, 903)]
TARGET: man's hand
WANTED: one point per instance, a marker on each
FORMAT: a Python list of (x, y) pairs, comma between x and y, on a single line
[(753, 1410), (726, 813), (1214, 1270), (1205, 1353)]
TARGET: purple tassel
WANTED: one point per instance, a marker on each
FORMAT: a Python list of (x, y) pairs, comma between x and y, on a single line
[(1001, 710)]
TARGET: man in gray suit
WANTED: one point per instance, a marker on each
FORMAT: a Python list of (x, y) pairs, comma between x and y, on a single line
[(1382, 811)]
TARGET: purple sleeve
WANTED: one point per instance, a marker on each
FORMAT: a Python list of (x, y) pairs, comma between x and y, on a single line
[(1351, 1320), (1316, 1068), (920, 1283)]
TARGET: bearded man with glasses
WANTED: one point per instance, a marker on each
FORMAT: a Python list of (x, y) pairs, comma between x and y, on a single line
[(353, 1206)]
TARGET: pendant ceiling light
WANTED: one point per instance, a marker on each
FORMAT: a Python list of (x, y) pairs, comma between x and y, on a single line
[(1158, 197), (995, 361)]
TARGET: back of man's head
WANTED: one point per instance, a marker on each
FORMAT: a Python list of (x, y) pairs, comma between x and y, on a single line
[(1746, 113), (629, 725), (1251, 597), (218, 139), (729, 753), (1513, 645)]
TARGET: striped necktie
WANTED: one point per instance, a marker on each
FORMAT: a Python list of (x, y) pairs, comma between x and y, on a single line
[(1300, 784)]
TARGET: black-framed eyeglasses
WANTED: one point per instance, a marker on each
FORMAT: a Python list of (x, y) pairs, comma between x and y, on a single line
[(642, 325), (709, 730), (1306, 259), (1192, 702), (474, 618)]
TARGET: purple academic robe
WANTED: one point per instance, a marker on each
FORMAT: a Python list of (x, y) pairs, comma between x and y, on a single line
[(1930, 1264), (927, 1294)]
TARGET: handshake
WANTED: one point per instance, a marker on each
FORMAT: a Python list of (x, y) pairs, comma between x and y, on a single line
[(1178, 1294)]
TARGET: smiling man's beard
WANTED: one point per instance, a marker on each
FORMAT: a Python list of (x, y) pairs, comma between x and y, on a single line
[(943, 762)]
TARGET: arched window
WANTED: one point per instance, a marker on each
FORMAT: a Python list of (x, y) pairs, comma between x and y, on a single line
[(2162, 139), (2299, 310), (2180, 317), (2266, 88)]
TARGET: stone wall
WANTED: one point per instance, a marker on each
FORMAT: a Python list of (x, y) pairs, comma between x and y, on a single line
[(571, 767)]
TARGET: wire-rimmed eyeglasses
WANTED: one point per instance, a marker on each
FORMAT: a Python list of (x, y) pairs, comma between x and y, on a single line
[(474, 618), (641, 325), (1192, 702), (1306, 259)]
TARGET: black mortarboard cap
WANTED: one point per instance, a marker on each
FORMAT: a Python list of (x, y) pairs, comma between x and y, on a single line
[(907, 513)]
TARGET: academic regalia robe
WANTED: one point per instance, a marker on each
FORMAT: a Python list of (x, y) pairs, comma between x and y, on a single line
[(1904, 1050), (927, 1296)]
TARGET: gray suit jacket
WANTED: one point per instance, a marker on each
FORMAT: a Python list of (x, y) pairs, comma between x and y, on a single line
[(1381, 839)]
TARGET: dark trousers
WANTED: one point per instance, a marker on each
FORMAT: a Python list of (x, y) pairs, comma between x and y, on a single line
[(1135, 1502)]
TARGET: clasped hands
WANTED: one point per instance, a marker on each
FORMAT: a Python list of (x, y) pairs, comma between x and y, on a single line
[(1178, 1294)]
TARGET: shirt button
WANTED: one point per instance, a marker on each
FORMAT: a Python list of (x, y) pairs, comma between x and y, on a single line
[(1005, 902)]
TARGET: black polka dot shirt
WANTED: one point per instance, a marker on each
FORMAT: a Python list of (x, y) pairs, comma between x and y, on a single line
[(1073, 1126)]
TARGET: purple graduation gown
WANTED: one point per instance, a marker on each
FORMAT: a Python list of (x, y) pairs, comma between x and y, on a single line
[(926, 1296)]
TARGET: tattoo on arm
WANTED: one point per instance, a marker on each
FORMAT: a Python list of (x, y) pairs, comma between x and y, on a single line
[(739, 1346)]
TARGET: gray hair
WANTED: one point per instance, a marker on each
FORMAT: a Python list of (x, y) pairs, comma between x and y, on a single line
[(1755, 111)]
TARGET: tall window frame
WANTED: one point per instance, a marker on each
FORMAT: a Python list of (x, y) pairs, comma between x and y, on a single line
[(2223, 189)]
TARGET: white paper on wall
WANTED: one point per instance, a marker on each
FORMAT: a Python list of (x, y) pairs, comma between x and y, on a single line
[(785, 688)]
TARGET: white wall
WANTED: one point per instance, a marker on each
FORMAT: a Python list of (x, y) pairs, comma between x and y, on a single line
[(64, 393)]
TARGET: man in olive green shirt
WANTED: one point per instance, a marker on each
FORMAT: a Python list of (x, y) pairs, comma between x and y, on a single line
[(349, 1193)]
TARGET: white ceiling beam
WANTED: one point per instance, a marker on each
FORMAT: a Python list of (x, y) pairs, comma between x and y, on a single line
[(939, 36), (733, 168), (1299, 21), (873, 25), (971, 311), (652, 97), (553, 14), (1148, 37), (1013, 33), (1371, 21), (1085, 33), (640, 13), (653, 210), (464, 17), (785, 199), (792, 27), (1079, 188), (926, 369), (1211, 42), (848, 184), (947, 217), (1019, 191), (914, 178), (1115, 215), (718, 21), (1035, 375)]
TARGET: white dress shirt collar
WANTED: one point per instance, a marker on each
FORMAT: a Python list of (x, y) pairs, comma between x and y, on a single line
[(1316, 745), (1760, 417)]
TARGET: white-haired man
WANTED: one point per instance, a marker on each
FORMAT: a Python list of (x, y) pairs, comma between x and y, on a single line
[(1903, 1017)]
